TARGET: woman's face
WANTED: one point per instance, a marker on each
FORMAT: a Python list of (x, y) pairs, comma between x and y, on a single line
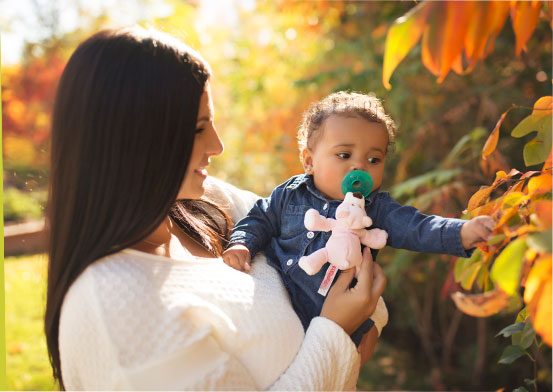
[(206, 144)]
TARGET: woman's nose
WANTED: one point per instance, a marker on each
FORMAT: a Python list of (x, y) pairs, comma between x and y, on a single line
[(216, 146)]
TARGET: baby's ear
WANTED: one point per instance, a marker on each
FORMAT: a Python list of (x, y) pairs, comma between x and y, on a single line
[(307, 160)]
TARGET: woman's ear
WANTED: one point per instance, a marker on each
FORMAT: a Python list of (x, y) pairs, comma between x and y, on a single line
[(307, 160)]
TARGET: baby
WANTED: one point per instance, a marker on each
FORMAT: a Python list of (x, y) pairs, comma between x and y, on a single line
[(343, 132)]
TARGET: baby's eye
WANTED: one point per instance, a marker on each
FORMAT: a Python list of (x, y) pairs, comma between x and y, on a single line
[(374, 160), (343, 155)]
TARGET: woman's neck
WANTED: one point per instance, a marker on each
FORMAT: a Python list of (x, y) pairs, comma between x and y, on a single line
[(170, 241)]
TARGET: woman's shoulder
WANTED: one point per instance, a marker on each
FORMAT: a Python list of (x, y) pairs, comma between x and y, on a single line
[(234, 200)]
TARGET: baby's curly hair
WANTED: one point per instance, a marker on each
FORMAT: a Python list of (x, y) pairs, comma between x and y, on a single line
[(347, 104)]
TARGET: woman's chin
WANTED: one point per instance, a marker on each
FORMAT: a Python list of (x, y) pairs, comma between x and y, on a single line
[(192, 191)]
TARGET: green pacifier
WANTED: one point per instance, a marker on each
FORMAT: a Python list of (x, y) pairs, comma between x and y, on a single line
[(357, 181)]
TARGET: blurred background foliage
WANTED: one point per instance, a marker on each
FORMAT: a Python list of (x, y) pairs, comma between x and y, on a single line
[(270, 60)]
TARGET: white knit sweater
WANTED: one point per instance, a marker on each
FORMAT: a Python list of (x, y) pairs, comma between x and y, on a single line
[(138, 321)]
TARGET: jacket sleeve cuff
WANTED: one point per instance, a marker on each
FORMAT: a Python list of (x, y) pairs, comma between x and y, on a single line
[(246, 239), (451, 237)]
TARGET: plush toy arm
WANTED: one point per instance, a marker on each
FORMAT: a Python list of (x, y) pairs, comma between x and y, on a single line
[(374, 238), (315, 221)]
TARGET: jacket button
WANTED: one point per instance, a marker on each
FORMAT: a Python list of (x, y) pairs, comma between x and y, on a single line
[(310, 234), (325, 206), (289, 262)]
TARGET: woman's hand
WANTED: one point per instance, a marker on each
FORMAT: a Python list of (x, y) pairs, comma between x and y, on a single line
[(349, 307)]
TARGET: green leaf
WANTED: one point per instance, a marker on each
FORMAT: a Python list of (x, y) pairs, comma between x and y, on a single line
[(521, 316), (531, 382), (483, 278), (540, 242), (507, 266), (432, 179), (462, 264), (525, 338), (511, 329), (536, 150), (520, 389), (511, 354)]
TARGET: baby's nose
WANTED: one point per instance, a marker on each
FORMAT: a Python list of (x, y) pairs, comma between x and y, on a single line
[(357, 167)]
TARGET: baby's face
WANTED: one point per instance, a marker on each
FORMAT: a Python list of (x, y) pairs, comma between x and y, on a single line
[(346, 144)]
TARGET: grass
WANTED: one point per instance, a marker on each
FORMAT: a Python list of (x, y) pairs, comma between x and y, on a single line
[(27, 364)]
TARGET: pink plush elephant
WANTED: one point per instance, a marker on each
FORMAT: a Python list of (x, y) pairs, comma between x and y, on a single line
[(343, 248)]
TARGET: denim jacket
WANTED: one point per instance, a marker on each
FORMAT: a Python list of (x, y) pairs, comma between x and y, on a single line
[(275, 225)]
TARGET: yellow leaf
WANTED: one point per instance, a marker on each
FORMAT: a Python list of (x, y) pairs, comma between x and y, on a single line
[(537, 296), (402, 36), (481, 305), (543, 106), (524, 18)]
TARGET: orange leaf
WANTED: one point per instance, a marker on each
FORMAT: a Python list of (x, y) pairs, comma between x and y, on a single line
[(458, 19), (524, 18), (507, 215), (428, 56), (486, 209), (487, 21), (540, 184), (544, 211), (480, 197), (537, 296), (481, 305), (402, 36), (498, 12), (444, 37), (491, 143)]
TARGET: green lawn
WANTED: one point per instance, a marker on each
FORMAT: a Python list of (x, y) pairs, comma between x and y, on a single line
[(27, 363)]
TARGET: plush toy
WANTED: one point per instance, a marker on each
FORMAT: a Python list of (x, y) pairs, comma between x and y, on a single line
[(343, 248)]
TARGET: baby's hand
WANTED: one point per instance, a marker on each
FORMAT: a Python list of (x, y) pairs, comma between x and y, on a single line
[(476, 230), (238, 257)]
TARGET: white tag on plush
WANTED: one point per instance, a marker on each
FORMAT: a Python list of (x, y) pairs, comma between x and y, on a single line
[(328, 279)]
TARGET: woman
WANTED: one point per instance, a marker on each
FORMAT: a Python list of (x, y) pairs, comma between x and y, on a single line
[(138, 297)]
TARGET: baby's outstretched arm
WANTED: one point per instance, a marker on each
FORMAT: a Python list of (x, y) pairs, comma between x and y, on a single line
[(238, 257), (476, 230)]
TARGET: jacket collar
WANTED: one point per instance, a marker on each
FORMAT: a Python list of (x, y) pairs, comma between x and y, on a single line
[(306, 180)]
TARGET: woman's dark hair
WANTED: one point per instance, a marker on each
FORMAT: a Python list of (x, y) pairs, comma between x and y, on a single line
[(123, 129)]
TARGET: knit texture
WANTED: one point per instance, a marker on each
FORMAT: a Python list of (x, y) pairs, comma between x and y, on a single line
[(138, 321)]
